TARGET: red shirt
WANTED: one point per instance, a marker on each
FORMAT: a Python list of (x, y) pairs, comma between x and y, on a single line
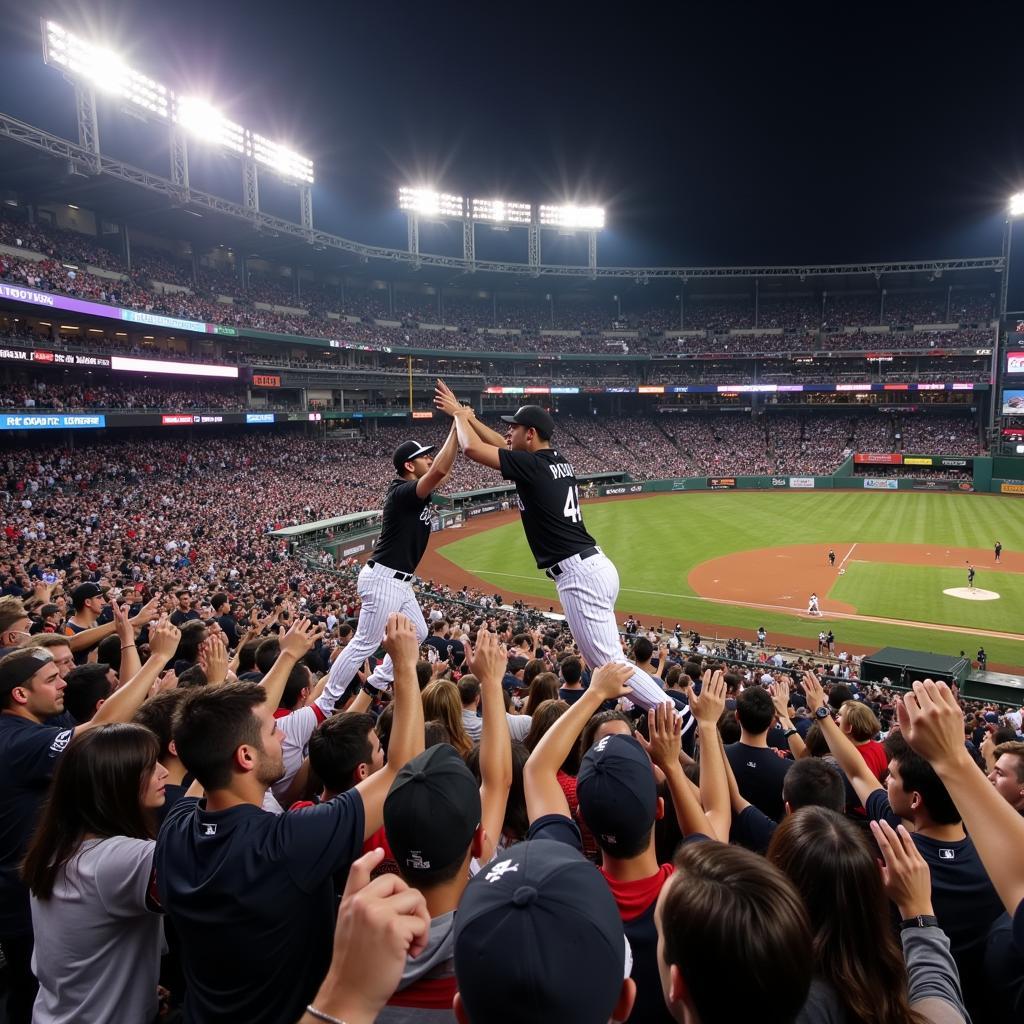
[(634, 898), (875, 758)]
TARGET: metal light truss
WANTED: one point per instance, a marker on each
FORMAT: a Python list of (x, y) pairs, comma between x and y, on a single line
[(501, 211), (93, 67), (26, 134)]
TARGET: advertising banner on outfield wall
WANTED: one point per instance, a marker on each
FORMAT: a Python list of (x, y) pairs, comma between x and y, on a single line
[(480, 510), (935, 485), (721, 483), (801, 481), (878, 458), (1006, 488), (872, 484), (954, 463), (780, 481), (622, 489)]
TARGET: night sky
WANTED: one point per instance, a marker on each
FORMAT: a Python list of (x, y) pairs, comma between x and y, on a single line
[(763, 133)]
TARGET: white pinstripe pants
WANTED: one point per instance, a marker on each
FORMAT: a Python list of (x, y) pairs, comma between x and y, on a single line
[(380, 595), (587, 590)]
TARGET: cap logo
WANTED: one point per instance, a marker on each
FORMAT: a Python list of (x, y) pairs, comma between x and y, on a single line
[(602, 743), (499, 869), (415, 860)]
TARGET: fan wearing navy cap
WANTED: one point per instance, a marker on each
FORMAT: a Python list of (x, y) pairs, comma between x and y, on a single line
[(549, 504), (385, 582), (619, 802), (438, 819)]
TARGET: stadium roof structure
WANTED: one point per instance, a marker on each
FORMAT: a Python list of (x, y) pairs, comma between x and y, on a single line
[(54, 169)]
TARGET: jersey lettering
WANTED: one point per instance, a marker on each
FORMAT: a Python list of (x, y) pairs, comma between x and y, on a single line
[(572, 504), (561, 470)]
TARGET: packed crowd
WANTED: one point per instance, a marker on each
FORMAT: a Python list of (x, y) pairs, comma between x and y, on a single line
[(649, 329), (64, 395), (815, 849)]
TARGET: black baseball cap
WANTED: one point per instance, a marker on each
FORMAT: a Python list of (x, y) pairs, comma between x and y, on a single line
[(533, 416), (431, 811), (21, 665), (543, 913), (617, 792), (409, 450), (84, 591)]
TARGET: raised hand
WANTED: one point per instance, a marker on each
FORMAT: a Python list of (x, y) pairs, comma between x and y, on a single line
[(780, 697), (609, 682), (665, 731), (813, 690), (147, 613), (905, 874), (932, 721), (163, 639), (213, 657), (380, 924), (300, 638), (490, 658), (708, 705), (400, 641), (125, 632)]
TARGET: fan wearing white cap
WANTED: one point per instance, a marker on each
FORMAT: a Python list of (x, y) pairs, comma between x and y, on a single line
[(385, 582)]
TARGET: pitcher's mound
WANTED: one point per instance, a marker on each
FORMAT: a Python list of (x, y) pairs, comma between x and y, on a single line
[(966, 594)]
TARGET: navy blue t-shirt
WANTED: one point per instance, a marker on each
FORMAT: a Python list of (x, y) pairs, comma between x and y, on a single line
[(965, 902), (252, 897), (28, 759)]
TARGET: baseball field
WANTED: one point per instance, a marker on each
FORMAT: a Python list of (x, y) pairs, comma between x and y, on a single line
[(732, 561)]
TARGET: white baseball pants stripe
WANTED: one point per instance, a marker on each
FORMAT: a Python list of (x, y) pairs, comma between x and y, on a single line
[(587, 589), (380, 595)]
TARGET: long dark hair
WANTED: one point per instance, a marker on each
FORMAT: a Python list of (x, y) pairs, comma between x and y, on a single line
[(543, 688), (829, 861), (96, 791)]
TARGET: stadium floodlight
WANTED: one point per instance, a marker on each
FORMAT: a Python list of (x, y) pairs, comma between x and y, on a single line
[(429, 203), (104, 69), (571, 217), (203, 120), (501, 211), (1017, 204), (281, 159)]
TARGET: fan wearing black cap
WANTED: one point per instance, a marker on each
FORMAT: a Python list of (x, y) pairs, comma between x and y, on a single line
[(385, 582), (549, 504), (31, 692), (83, 629)]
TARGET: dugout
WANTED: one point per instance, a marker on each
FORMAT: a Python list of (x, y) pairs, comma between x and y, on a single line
[(902, 667)]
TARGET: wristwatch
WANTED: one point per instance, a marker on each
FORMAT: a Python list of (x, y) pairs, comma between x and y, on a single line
[(822, 712), (920, 921), (790, 732)]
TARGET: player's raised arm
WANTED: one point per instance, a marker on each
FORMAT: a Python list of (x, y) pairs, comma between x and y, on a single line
[(483, 431), (440, 468), (472, 445)]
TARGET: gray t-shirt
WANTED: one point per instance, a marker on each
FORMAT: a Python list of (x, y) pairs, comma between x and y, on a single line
[(97, 943)]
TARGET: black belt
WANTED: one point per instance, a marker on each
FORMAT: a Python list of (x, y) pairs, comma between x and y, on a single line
[(556, 570), (405, 577)]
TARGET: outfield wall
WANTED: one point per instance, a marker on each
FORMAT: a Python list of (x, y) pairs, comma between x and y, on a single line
[(788, 483)]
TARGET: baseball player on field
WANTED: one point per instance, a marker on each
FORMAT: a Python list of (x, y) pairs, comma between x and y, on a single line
[(385, 582), (549, 503)]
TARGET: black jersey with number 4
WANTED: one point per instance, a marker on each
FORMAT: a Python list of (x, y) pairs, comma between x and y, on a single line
[(406, 528), (549, 503)]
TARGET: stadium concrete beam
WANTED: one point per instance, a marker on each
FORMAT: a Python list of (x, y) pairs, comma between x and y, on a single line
[(28, 135)]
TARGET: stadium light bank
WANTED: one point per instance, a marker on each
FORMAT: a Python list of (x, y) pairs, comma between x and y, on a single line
[(93, 67), (427, 203)]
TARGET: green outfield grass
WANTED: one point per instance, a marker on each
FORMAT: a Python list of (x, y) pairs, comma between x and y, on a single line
[(656, 541), (916, 592)]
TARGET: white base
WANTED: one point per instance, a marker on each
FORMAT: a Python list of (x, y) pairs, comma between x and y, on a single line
[(977, 594)]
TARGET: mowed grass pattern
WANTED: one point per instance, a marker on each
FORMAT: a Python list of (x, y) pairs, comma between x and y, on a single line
[(656, 541), (916, 592)]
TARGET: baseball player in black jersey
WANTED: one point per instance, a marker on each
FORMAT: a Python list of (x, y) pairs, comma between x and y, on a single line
[(385, 582), (549, 504)]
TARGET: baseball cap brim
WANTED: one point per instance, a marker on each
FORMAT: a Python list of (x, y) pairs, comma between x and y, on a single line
[(424, 449)]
